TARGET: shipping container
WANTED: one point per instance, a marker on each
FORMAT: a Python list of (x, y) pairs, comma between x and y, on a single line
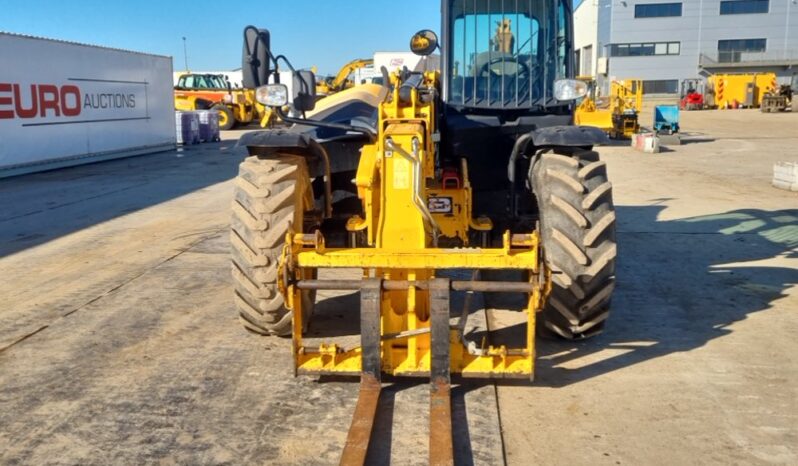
[(744, 90), (64, 103)]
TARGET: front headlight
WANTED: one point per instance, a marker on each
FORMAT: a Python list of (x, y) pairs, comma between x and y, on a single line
[(272, 95), (569, 89)]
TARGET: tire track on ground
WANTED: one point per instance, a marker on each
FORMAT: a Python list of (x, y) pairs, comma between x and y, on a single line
[(113, 289)]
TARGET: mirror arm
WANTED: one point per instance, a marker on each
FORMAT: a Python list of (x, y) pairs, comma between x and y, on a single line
[(274, 59), (283, 57), (322, 124)]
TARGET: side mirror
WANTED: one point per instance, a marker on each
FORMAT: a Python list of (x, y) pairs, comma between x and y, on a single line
[(255, 57), (304, 87), (424, 42)]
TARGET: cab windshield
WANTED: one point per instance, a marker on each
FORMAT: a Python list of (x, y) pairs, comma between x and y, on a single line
[(506, 53), (202, 81)]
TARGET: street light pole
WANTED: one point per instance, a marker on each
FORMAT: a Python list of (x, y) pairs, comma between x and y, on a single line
[(185, 54)]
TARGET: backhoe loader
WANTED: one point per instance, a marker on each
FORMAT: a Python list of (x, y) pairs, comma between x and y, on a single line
[(422, 157)]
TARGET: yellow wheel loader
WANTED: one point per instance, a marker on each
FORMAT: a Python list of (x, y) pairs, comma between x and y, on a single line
[(399, 181)]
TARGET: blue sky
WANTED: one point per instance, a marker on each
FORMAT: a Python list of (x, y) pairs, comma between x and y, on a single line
[(308, 32)]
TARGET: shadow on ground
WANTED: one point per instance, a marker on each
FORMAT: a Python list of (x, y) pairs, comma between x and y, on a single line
[(38, 208), (681, 284)]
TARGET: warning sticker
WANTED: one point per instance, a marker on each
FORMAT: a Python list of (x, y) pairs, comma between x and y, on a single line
[(401, 173), (440, 205)]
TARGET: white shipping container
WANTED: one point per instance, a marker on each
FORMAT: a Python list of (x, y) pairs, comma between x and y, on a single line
[(63, 103)]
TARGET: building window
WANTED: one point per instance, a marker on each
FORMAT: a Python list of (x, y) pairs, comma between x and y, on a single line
[(731, 51), (742, 7), (587, 60), (657, 10), (662, 86), (644, 50)]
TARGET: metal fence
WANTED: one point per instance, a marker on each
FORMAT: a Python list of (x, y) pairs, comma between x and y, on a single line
[(778, 57)]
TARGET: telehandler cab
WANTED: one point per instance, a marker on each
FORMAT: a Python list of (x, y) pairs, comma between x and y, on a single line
[(420, 156)]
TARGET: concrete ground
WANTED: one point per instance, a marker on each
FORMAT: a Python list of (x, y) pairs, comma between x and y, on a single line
[(119, 343)]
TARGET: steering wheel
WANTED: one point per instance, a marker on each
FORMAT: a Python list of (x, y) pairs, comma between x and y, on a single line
[(502, 66)]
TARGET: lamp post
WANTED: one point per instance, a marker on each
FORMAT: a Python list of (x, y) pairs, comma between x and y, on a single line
[(185, 53)]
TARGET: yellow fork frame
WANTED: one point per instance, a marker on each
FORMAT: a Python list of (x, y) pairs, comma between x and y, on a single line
[(404, 313)]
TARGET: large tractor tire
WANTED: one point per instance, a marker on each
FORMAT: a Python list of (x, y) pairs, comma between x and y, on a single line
[(577, 220), (271, 197), (226, 118)]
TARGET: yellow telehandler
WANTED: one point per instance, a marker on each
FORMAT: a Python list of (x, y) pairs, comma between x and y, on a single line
[(203, 91), (420, 156)]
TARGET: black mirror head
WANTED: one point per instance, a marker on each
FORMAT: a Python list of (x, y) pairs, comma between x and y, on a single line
[(424, 42), (304, 91), (256, 57)]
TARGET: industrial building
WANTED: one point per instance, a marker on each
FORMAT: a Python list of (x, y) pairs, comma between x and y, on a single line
[(663, 43)]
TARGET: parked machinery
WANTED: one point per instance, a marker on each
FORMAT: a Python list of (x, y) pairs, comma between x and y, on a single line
[(726, 91), (781, 99), (341, 80), (777, 100), (692, 94), (418, 154), (618, 113), (214, 92)]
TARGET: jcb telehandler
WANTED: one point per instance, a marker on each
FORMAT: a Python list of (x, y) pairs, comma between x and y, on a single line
[(213, 92), (421, 156)]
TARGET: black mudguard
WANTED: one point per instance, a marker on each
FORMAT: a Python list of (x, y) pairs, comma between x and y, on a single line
[(273, 139), (553, 136), (569, 136), (268, 143), (343, 152)]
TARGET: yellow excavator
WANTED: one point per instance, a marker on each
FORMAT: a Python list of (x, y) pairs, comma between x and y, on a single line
[(395, 181), (617, 114), (341, 80)]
